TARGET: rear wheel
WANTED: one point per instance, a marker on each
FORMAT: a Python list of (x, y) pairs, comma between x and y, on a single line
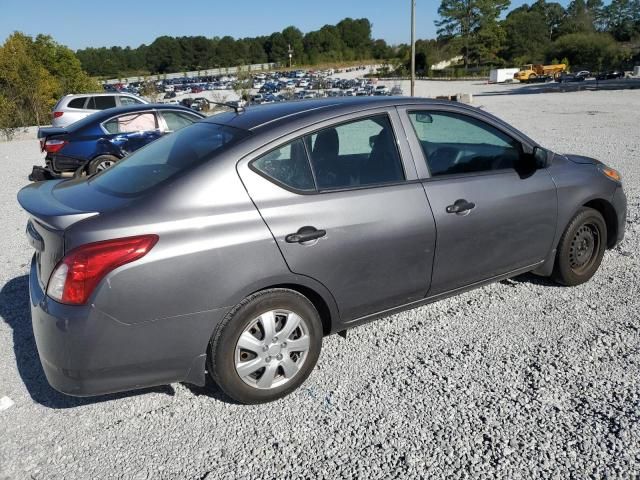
[(581, 248), (266, 347), (101, 162)]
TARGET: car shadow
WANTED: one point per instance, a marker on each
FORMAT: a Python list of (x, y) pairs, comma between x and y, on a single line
[(14, 310), (210, 390), (533, 279)]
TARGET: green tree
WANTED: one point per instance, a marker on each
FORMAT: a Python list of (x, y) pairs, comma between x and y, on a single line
[(622, 19), (526, 35), (473, 24), (28, 89)]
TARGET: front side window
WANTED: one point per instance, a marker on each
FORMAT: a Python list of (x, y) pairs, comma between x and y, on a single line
[(129, 101), (287, 165), (131, 122), (177, 120), (354, 154), (453, 143)]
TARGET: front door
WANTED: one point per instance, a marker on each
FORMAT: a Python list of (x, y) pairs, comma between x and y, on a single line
[(495, 212), (352, 221)]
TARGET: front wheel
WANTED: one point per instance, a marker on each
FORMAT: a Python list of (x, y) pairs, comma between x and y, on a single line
[(266, 346), (581, 248)]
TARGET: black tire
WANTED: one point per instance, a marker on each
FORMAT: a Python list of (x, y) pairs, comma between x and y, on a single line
[(101, 162), (581, 248), (221, 357)]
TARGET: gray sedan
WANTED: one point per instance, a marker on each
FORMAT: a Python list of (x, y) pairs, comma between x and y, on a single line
[(231, 247)]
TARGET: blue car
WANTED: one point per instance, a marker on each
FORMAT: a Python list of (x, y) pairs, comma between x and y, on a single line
[(99, 140)]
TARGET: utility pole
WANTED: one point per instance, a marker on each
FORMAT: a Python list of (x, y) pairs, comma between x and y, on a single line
[(290, 50), (413, 48)]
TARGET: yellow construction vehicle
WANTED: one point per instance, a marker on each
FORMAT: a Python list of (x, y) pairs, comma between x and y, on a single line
[(539, 73)]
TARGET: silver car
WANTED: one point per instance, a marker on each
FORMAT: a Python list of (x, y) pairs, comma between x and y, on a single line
[(231, 247), (72, 108)]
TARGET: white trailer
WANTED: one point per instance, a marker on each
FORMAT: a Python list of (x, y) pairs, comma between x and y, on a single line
[(501, 75)]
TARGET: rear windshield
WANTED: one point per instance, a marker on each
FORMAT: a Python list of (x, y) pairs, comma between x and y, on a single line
[(166, 158)]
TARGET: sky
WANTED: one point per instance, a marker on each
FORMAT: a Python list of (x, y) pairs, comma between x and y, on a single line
[(90, 23)]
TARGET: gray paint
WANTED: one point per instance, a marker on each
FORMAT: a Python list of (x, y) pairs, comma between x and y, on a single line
[(222, 229)]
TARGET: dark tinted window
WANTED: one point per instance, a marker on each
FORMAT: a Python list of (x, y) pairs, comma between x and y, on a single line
[(166, 158), (102, 103), (454, 143), (287, 165), (77, 102), (354, 154)]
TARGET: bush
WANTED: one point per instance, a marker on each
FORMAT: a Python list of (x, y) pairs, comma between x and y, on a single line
[(593, 51), (34, 74)]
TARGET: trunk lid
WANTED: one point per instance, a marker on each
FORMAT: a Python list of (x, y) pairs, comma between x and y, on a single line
[(54, 206), (45, 132)]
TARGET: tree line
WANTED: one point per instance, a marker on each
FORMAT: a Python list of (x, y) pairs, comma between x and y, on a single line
[(587, 33), (348, 40)]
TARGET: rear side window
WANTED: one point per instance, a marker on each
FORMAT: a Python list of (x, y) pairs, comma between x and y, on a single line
[(355, 154), (132, 122), (287, 165), (177, 120), (453, 143), (77, 102), (166, 158), (101, 103)]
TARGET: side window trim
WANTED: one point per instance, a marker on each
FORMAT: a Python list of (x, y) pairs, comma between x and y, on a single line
[(416, 149), (408, 166)]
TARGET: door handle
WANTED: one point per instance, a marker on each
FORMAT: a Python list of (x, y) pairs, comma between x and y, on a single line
[(460, 206), (305, 234)]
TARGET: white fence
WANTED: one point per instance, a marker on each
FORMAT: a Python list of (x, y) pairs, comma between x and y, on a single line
[(196, 73)]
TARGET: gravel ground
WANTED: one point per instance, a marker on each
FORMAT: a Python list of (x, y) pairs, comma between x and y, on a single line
[(519, 379)]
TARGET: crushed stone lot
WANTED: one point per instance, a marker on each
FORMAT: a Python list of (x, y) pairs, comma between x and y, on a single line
[(520, 379)]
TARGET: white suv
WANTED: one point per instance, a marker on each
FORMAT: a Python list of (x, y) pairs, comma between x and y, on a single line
[(72, 108)]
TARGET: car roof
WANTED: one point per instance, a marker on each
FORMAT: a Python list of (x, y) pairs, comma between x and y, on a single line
[(259, 116), (100, 94)]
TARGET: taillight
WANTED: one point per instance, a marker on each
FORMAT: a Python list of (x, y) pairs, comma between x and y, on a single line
[(79, 272), (54, 146), (57, 114)]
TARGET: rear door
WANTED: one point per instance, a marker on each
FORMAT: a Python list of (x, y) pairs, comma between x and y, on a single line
[(357, 221), (494, 213)]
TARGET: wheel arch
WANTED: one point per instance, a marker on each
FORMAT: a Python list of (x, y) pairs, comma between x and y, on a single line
[(319, 302), (314, 291), (610, 218)]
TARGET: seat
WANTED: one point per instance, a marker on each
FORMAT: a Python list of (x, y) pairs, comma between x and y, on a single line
[(383, 165), (325, 159)]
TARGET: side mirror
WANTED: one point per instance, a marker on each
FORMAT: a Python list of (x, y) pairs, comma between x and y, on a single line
[(541, 157)]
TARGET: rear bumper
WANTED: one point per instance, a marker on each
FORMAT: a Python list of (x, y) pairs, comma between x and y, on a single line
[(619, 202), (86, 352)]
